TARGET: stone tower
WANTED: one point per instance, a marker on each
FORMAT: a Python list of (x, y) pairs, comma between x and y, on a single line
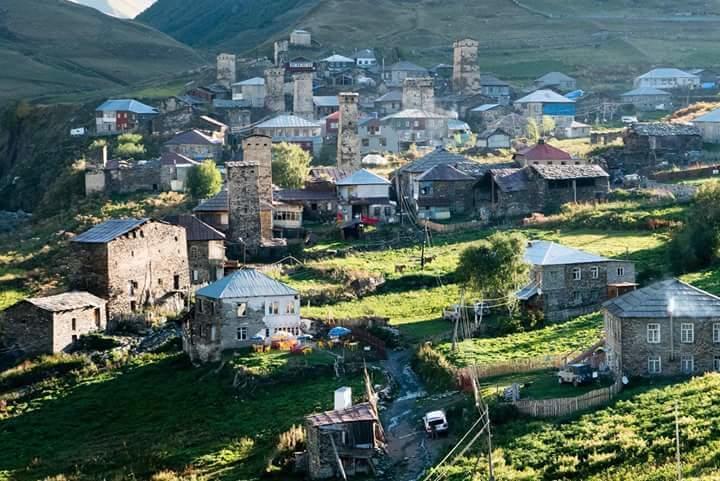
[(226, 69), (275, 89), (303, 95), (466, 71), (281, 52), (418, 93), (249, 186), (348, 147)]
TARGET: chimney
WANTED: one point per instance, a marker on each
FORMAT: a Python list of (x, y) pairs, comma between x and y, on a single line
[(343, 398)]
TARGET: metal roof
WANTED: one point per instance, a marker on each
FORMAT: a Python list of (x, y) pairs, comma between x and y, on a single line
[(543, 151), (126, 105), (562, 172), (193, 137), (67, 301), (217, 203), (554, 77), (640, 91), (661, 299), (245, 283), (195, 229), (487, 80), (667, 73), (407, 66), (285, 121), (326, 101), (444, 173), (336, 58), (546, 253), (393, 95), (109, 230), (713, 116), (414, 114), (363, 177), (231, 104), (484, 107), (304, 195), (356, 413), (255, 81), (366, 53), (544, 96), (454, 124), (173, 158), (528, 291)]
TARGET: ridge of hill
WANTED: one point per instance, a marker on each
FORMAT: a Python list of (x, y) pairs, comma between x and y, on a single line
[(606, 41), (51, 47)]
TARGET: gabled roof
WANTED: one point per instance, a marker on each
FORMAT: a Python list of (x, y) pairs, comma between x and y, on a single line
[(544, 96), (109, 230), (231, 104), (543, 151), (641, 91), (304, 195), (510, 180), (666, 73), (363, 177), (337, 59), (414, 114), (173, 158), (566, 172), (407, 66), (492, 81), (393, 95), (356, 413), (486, 134), (67, 301), (441, 156), (217, 203), (552, 78), (245, 283), (713, 116), (484, 107), (255, 81), (285, 121), (195, 229), (659, 299), (546, 253), (659, 129), (455, 124), (326, 101), (444, 173), (325, 174), (193, 137), (365, 53), (126, 105)]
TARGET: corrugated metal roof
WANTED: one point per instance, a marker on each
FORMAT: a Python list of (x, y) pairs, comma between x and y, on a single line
[(173, 158), (109, 230), (231, 104), (546, 253), (326, 101), (193, 137), (217, 203), (126, 105), (285, 121), (454, 124), (667, 73), (484, 107), (304, 195), (544, 96), (255, 81), (366, 53), (67, 301), (713, 116), (245, 283), (407, 66), (640, 91), (363, 177), (356, 413), (659, 299), (391, 96), (551, 78), (337, 58), (195, 229), (415, 114), (527, 292)]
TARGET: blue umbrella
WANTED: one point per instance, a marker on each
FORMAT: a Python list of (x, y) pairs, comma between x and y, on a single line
[(257, 338), (339, 331), (304, 337)]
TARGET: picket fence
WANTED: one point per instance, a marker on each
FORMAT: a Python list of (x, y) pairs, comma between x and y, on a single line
[(565, 406), (481, 371)]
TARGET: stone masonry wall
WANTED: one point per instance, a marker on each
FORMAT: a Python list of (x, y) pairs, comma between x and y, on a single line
[(418, 93), (226, 69), (466, 71), (303, 95), (275, 89), (87, 320), (348, 150), (28, 328)]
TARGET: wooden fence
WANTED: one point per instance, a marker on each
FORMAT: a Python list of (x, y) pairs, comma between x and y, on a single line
[(447, 228), (564, 406), (513, 366)]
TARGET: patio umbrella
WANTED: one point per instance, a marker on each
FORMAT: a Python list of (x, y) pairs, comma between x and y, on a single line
[(339, 331), (304, 337)]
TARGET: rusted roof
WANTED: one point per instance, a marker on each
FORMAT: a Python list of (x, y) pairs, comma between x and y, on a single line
[(67, 301), (195, 229), (561, 172), (543, 151), (357, 413)]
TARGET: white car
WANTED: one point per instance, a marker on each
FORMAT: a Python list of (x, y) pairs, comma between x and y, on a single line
[(435, 423)]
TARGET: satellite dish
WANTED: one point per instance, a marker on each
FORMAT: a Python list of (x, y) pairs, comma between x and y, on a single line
[(625, 380)]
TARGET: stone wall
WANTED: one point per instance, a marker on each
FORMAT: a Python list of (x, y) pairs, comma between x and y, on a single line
[(457, 196), (281, 52), (466, 71), (226, 69), (198, 151), (87, 320), (348, 149), (418, 93), (275, 89), (303, 105), (205, 257)]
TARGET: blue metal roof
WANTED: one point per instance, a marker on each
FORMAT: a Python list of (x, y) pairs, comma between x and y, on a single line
[(545, 253), (126, 105), (245, 283), (109, 230)]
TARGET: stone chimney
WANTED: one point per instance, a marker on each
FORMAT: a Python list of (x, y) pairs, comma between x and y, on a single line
[(348, 147), (275, 89), (226, 69), (466, 71), (418, 93), (303, 95)]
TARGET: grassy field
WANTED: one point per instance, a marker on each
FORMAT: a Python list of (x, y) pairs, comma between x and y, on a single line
[(537, 385), (157, 414)]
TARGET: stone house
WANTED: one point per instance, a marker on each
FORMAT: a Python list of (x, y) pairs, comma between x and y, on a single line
[(556, 80), (647, 144), (667, 78), (242, 308), (135, 264), (315, 204), (389, 103), (206, 249), (301, 38), (496, 89), (365, 196), (46, 325), (576, 130), (442, 192), (123, 115), (545, 154), (174, 170), (494, 139), (342, 442), (336, 63), (123, 177), (410, 127), (325, 105), (669, 328), (709, 126), (566, 282), (372, 136), (236, 114), (331, 126), (395, 75), (251, 90), (292, 129), (546, 103), (215, 211), (196, 145), (647, 99)]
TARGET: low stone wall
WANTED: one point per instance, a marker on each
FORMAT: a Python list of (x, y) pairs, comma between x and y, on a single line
[(687, 174)]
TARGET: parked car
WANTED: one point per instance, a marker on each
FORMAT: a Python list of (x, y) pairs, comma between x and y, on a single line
[(435, 423), (628, 119), (576, 374)]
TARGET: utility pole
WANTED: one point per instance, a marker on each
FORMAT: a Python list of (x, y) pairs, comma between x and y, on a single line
[(677, 444), (422, 250)]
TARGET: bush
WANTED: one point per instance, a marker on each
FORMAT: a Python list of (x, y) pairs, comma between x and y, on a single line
[(95, 342), (290, 165), (697, 244), (204, 180), (434, 368), (44, 367)]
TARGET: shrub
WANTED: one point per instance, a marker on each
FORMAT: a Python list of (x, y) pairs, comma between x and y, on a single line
[(204, 180), (44, 367), (434, 368)]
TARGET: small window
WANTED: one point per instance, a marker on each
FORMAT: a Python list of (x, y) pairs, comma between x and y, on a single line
[(594, 272), (73, 323), (577, 298), (716, 363), (201, 305), (133, 306), (654, 365), (242, 333), (620, 271), (194, 252), (290, 309), (716, 332), (160, 282), (242, 309), (176, 282), (274, 308), (687, 332), (576, 274), (74, 338), (196, 275), (653, 333), (687, 364), (97, 317)]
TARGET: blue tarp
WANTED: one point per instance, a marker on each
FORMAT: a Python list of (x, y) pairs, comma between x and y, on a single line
[(575, 94), (559, 109), (339, 331)]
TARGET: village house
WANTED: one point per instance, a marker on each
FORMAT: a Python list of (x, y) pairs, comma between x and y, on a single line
[(556, 80), (314, 204), (546, 103), (123, 115), (372, 136), (395, 75), (408, 127), (301, 38), (576, 130), (236, 114), (365, 196), (667, 78), (325, 105), (330, 126), (646, 99), (708, 77), (117, 176), (196, 145), (240, 309), (485, 114), (494, 139), (251, 90), (709, 126), (343, 442), (365, 58), (545, 154), (208, 93), (336, 63), (442, 192), (566, 282), (389, 103), (135, 264), (647, 144), (215, 211), (46, 325), (174, 170), (292, 129), (494, 88), (669, 328), (205, 247)]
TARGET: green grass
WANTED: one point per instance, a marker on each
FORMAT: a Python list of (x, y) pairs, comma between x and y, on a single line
[(11, 289), (554, 340), (538, 385), (159, 413), (277, 362)]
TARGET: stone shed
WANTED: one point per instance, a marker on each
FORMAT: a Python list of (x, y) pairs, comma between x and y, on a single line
[(45, 325), (206, 249), (647, 144)]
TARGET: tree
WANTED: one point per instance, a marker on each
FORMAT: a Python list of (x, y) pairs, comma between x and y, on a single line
[(697, 244), (130, 146), (494, 267), (533, 131), (204, 180), (290, 165), (548, 126)]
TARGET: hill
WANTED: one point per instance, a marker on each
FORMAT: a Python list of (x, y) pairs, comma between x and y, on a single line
[(118, 8), (605, 40), (50, 47)]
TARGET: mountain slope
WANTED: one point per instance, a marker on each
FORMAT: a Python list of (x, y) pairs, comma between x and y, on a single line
[(50, 47), (591, 38), (118, 8)]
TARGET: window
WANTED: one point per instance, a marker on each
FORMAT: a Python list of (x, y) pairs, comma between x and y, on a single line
[(687, 364), (73, 323), (620, 271), (594, 272), (212, 333), (274, 308), (201, 305), (133, 306), (716, 332), (576, 274), (290, 309), (160, 281), (97, 317), (716, 363), (653, 333), (176, 282), (74, 338), (687, 332), (241, 309), (194, 252), (366, 142), (242, 333), (654, 365), (196, 275)]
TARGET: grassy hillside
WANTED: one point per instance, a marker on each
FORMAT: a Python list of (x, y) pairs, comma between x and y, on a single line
[(49, 47), (601, 41)]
